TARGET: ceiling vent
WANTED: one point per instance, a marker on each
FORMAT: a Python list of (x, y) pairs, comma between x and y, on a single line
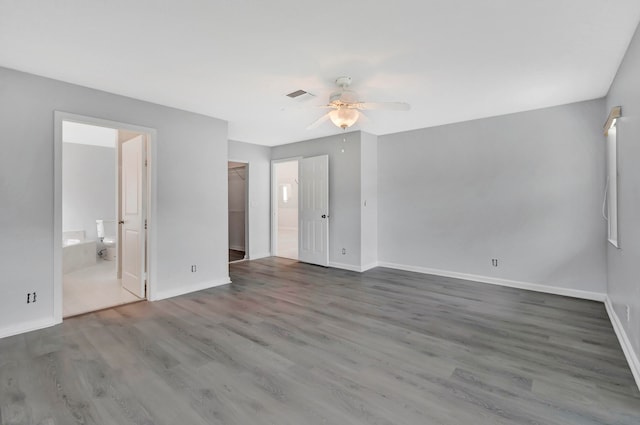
[(301, 95)]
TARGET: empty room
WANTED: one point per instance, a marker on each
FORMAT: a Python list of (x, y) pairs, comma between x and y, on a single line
[(338, 212)]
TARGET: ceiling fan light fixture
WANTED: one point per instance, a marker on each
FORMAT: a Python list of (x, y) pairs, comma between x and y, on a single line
[(344, 117)]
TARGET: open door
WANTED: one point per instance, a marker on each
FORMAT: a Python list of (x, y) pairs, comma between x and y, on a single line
[(313, 242), (132, 216)]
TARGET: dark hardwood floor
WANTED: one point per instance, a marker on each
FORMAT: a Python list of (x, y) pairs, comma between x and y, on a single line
[(289, 343), (235, 255)]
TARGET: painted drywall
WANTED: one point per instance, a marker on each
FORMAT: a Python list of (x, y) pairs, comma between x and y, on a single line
[(369, 199), (191, 221), (344, 191), (237, 200), (623, 267), (525, 189), (88, 187), (259, 160)]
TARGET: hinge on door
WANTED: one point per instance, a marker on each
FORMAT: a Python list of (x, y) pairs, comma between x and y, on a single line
[(145, 162), (145, 224)]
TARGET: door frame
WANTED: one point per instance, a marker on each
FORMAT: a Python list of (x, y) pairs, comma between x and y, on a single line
[(274, 203), (151, 194), (247, 204)]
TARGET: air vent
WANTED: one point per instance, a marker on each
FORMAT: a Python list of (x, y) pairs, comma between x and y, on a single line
[(301, 95), (296, 93)]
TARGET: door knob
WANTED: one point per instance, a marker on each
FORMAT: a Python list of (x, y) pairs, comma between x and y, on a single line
[(121, 222)]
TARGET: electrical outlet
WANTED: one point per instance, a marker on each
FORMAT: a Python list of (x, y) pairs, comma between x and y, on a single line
[(494, 262), (628, 313), (344, 251), (194, 268), (31, 297)]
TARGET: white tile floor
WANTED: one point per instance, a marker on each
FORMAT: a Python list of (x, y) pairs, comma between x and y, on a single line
[(93, 288), (287, 243)]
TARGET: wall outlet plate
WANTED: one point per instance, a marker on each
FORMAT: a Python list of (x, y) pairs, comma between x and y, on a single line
[(628, 313)]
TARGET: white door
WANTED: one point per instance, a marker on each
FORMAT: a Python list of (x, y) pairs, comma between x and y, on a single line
[(313, 237), (132, 206)]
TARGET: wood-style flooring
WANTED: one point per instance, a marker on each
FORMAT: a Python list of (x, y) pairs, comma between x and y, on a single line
[(290, 343), (235, 255)]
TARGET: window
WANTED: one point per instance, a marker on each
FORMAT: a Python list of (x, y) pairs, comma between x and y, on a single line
[(610, 207)]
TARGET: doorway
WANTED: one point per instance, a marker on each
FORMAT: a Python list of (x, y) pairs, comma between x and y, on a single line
[(102, 203), (285, 202), (300, 209), (238, 217)]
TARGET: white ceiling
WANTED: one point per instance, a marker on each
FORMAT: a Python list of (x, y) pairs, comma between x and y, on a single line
[(452, 60)]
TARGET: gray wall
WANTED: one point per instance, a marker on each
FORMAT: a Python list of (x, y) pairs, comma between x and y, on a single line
[(523, 188), (344, 190), (259, 159), (191, 219), (623, 265), (88, 187)]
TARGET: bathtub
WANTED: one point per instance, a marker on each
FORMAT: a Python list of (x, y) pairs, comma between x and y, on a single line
[(77, 253)]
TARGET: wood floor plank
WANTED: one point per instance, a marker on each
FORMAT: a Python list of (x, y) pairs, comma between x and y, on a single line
[(291, 343)]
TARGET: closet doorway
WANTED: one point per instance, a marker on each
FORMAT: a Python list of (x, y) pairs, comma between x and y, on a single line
[(238, 218)]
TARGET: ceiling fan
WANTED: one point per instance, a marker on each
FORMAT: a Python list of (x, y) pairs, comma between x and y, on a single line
[(346, 108)]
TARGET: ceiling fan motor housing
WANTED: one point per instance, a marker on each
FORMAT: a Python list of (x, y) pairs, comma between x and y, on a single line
[(343, 97), (345, 106)]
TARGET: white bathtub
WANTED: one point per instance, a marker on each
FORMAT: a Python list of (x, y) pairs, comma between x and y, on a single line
[(77, 253)]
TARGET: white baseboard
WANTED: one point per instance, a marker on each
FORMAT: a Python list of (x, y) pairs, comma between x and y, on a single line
[(27, 327), (161, 295), (237, 248), (353, 268), (567, 292), (345, 266), (623, 338), (259, 256), (369, 267)]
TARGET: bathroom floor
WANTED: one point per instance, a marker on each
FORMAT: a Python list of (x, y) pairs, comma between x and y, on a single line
[(93, 288), (287, 243)]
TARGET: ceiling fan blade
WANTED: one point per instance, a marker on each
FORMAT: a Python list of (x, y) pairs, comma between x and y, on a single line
[(362, 118), (390, 106), (319, 121)]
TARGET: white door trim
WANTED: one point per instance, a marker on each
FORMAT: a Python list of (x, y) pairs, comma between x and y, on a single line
[(274, 197), (152, 252)]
